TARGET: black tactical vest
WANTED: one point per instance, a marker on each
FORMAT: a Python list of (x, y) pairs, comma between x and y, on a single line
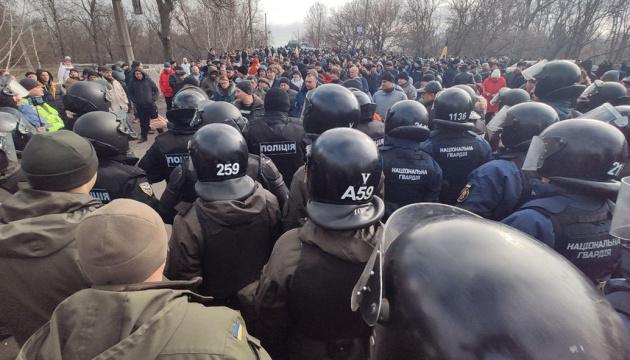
[(232, 256), (319, 303), (458, 153), (174, 148), (115, 180), (280, 140), (374, 129), (581, 225), (408, 176)]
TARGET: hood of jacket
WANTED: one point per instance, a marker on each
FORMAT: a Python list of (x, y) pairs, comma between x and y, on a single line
[(351, 245), (144, 76), (235, 212), (35, 223), (144, 319)]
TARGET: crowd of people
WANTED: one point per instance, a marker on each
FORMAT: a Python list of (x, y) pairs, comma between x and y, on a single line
[(323, 205)]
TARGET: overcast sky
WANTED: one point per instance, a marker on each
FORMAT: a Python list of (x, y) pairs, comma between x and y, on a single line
[(285, 17)]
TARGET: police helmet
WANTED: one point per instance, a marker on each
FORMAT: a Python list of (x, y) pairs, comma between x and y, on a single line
[(23, 131), (9, 86), (452, 107), (105, 131), (185, 104), (524, 121), (506, 297), (624, 123), (330, 106), (407, 119), (611, 75), (219, 156), (556, 75), (86, 96), (343, 172), (432, 87), (511, 97), (583, 149), (367, 105), (600, 92), (220, 112)]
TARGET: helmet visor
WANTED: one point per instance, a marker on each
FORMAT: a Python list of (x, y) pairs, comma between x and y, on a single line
[(531, 72), (12, 87), (540, 149), (620, 226), (498, 121), (607, 113), (592, 89)]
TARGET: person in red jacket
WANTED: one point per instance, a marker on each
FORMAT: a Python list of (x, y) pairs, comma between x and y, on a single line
[(491, 86), (165, 87)]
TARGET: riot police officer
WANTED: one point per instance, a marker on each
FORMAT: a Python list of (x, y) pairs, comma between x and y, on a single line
[(498, 187), (276, 135), (117, 177), (411, 175), (302, 298), (511, 97), (227, 234), (326, 107), (170, 148), (181, 186), (367, 125), (600, 92), (453, 143), (556, 86), (578, 159), (418, 291), (84, 97)]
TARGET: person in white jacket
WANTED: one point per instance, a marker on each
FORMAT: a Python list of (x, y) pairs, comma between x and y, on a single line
[(64, 70)]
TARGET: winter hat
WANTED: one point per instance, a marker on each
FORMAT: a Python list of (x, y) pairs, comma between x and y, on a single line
[(245, 86), (387, 76), (284, 80), (495, 73), (264, 80), (29, 84), (277, 99), (403, 75), (58, 161), (123, 242), (167, 64)]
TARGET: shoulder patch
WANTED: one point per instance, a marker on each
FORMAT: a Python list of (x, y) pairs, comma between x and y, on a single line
[(238, 331), (146, 188), (463, 195)]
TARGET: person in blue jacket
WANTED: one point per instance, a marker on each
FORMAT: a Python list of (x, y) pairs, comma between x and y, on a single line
[(453, 143), (411, 175), (496, 188), (578, 161)]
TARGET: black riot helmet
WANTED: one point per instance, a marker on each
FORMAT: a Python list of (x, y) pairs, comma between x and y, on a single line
[(505, 297), (511, 97), (107, 133), (452, 108), (330, 106), (432, 87), (367, 105), (407, 119), (219, 155), (343, 172), (220, 112), (600, 92), (555, 76), (587, 150), (518, 124), (624, 124), (85, 96), (611, 75), (617, 116), (185, 104)]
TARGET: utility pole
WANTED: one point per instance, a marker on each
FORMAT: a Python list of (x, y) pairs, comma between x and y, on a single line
[(266, 41), (123, 30)]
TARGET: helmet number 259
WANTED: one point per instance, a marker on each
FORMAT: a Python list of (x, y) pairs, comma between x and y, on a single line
[(227, 169)]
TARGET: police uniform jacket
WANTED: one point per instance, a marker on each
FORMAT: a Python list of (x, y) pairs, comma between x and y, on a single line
[(38, 256), (302, 301), (165, 154), (116, 180), (142, 321), (225, 242)]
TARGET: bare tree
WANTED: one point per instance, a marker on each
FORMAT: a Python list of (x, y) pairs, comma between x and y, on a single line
[(419, 27), (383, 24), (315, 22)]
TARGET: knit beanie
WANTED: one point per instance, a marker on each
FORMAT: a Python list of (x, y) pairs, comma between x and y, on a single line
[(245, 86), (277, 99)]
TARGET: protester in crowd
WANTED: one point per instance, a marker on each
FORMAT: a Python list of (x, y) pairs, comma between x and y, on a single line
[(296, 79), (72, 78), (47, 115), (387, 95), (119, 100), (285, 85), (176, 80), (405, 83), (196, 74), (185, 65), (491, 86), (64, 70), (53, 93), (246, 101), (143, 93), (225, 90), (165, 86), (210, 83), (310, 83)]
